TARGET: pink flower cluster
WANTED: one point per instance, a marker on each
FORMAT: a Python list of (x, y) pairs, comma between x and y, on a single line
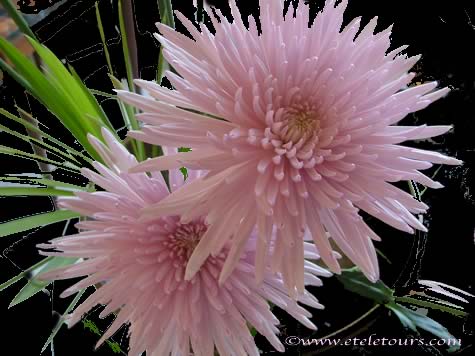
[(292, 130)]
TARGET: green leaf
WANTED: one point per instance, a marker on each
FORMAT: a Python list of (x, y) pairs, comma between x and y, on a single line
[(166, 13), (115, 347), (43, 134), (40, 191), (72, 88), (34, 285), (24, 180), (413, 320), (162, 66), (22, 274), (58, 90), (11, 281), (139, 147), (434, 303), (355, 281), (91, 326), (57, 152), (17, 77), (34, 221), (128, 115), (166, 17), (103, 38), (405, 320), (104, 94), (34, 157), (61, 320), (92, 100), (125, 48), (17, 17), (116, 83)]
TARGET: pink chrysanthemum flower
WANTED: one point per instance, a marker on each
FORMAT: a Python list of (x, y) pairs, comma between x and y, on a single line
[(307, 135), (141, 267)]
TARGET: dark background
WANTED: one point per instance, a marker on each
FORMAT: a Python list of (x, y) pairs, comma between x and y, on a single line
[(443, 33)]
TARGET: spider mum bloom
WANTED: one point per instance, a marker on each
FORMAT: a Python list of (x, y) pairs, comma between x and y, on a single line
[(307, 135), (141, 267)]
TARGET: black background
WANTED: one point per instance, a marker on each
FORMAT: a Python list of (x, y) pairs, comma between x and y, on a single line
[(445, 36)]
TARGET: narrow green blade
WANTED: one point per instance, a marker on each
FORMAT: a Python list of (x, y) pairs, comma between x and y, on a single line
[(57, 89), (103, 38), (34, 221), (50, 183), (40, 191), (34, 285), (22, 274), (61, 320), (166, 17)]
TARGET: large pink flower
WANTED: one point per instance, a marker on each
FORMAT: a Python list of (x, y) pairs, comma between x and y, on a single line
[(141, 267), (305, 135)]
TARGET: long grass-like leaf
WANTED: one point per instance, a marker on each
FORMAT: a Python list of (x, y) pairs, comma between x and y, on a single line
[(56, 71), (25, 180), (58, 90), (434, 304), (166, 12), (11, 281), (125, 48), (162, 66), (129, 111), (128, 115), (104, 94), (166, 17), (60, 322), (40, 191), (36, 142), (39, 86), (92, 100), (34, 221), (19, 276), (34, 285), (103, 38), (42, 133), (18, 153), (40, 143), (15, 75)]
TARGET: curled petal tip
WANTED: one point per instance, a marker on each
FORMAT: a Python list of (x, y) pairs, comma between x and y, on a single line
[(335, 268), (189, 273), (455, 162)]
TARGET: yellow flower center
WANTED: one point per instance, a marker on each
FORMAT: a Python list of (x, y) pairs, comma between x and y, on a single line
[(302, 123)]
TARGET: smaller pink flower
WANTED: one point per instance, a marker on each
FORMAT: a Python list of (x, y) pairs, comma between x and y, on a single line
[(141, 266)]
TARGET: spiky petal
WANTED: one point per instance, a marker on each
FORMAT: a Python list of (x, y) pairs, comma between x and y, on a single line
[(308, 136), (141, 266)]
